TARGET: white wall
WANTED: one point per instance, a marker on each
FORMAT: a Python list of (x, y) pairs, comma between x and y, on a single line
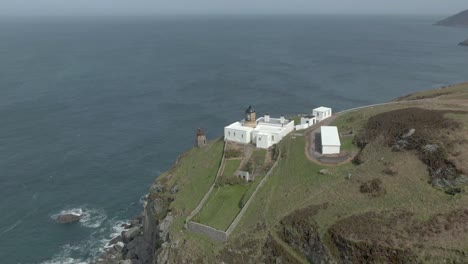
[(236, 135), (263, 141), (330, 150)]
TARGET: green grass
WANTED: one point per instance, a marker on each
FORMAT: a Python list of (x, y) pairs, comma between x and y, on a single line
[(194, 175), (222, 206), (347, 145), (231, 167), (296, 183), (258, 156)]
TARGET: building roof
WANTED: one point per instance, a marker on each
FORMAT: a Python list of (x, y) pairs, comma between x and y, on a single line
[(322, 109), (273, 121), (250, 110), (239, 126), (330, 136), (200, 132)]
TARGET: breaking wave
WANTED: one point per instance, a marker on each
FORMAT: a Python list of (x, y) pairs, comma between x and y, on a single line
[(91, 218), (92, 247)]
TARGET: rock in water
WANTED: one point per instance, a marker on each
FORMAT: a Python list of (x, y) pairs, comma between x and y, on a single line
[(68, 218), (464, 43)]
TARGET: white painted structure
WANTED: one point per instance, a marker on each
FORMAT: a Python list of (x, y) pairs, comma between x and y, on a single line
[(322, 113), (267, 131), (330, 140), (237, 132), (306, 121)]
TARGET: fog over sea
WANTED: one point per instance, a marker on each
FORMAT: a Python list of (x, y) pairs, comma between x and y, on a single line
[(92, 110)]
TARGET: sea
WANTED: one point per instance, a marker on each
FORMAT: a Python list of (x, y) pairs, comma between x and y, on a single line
[(93, 109)]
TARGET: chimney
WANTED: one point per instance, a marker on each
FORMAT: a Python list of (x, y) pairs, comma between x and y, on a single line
[(282, 119), (267, 117)]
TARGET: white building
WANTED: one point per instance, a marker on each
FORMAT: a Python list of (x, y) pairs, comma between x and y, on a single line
[(264, 132), (330, 140), (321, 113)]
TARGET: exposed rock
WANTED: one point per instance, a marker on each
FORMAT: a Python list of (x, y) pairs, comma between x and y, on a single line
[(138, 249), (158, 188), (175, 189), (324, 172), (68, 218), (409, 133), (163, 254), (131, 233), (464, 43), (164, 227), (115, 240), (126, 261), (118, 247), (431, 148)]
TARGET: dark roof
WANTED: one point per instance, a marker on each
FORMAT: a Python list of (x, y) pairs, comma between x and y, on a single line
[(250, 110), (200, 132)]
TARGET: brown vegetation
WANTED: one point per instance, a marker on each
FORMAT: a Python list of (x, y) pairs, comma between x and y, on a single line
[(427, 132), (373, 188)]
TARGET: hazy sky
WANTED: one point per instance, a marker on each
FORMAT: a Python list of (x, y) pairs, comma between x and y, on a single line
[(129, 7)]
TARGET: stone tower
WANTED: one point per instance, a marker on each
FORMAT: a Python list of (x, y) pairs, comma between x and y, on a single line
[(201, 138), (250, 117)]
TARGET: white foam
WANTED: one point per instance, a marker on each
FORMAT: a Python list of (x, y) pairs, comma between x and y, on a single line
[(91, 218)]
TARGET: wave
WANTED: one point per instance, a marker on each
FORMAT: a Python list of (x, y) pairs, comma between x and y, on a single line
[(91, 218), (8, 229), (91, 248)]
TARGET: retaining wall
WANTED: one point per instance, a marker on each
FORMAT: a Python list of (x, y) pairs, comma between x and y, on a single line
[(209, 231), (247, 204)]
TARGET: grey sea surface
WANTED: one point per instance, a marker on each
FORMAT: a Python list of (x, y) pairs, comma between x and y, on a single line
[(92, 110)]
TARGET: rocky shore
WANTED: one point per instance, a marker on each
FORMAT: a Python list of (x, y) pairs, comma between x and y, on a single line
[(144, 239)]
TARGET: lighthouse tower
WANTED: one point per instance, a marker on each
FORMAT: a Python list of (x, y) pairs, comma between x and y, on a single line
[(250, 117), (201, 138)]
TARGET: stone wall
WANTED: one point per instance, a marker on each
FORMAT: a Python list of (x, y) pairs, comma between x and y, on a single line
[(205, 198), (246, 206), (209, 231)]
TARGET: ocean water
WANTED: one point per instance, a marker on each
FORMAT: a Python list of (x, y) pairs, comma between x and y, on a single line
[(93, 109)]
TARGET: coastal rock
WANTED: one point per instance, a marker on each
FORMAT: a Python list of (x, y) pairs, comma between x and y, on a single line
[(139, 250), (131, 233), (464, 43), (68, 218), (164, 227), (175, 189), (115, 240)]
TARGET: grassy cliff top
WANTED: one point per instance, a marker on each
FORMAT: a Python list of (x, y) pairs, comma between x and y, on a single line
[(382, 207)]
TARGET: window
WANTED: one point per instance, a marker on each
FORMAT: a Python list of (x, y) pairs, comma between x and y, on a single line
[(242, 135), (229, 133), (234, 133), (273, 138)]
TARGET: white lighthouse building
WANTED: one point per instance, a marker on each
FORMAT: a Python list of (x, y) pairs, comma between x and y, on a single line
[(264, 132)]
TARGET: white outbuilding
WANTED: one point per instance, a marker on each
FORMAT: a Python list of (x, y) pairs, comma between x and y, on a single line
[(321, 113), (330, 140)]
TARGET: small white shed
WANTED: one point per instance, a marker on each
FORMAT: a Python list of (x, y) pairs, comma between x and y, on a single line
[(322, 112), (330, 140)]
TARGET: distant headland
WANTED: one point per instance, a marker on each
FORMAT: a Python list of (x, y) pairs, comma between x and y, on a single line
[(457, 20)]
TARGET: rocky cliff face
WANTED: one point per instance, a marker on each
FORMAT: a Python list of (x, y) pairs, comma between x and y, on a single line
[(146, 238)]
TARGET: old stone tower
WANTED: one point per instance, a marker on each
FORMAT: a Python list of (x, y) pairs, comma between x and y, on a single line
[(250, 117), (201, 138)]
